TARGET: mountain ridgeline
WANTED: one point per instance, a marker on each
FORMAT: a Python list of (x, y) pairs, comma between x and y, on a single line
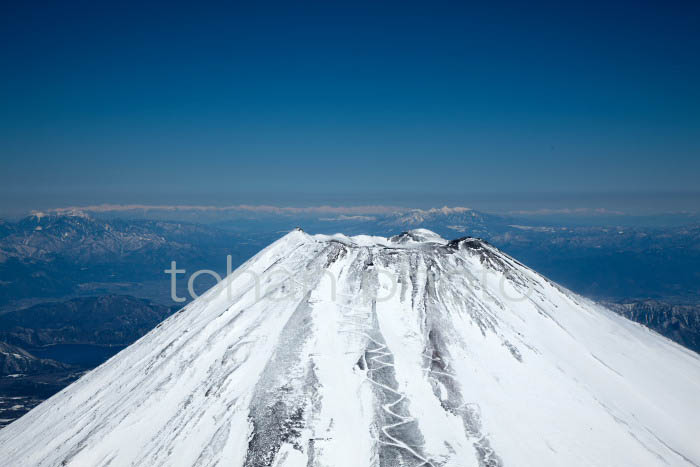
[(353, 351)]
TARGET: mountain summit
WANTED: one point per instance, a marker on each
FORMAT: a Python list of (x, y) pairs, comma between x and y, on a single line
[(370, 351)]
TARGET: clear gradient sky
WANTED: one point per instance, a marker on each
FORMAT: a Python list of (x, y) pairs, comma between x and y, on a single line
[(134, 102)]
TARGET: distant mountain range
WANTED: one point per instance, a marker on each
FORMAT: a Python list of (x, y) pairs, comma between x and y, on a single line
[(16, 362), (73, 254), (87, 240), (105, 320)]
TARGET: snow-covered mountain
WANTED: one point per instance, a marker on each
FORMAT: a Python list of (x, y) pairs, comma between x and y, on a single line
[(371, 351)]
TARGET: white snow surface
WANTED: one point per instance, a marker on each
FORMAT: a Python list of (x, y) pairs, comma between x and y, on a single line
[(369, 351)]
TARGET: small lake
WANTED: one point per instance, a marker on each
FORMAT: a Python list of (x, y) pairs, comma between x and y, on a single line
[(86, 355)]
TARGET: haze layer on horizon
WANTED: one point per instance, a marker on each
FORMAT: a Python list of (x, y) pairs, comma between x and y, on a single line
[(562, 205)]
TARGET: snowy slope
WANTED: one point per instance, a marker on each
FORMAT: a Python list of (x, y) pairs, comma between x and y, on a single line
[(367, 351)]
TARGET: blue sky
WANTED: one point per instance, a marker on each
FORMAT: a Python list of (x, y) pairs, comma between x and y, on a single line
[(291, 102)]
